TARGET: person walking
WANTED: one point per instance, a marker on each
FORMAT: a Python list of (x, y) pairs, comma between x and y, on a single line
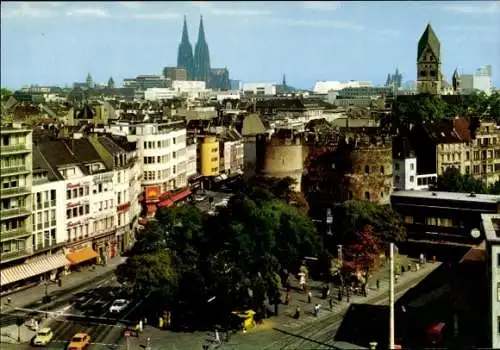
[(378, 284), (141, 326), (217, 337), (309, 297), (297, 313), (316, 310), (160, 323), (330, 303)]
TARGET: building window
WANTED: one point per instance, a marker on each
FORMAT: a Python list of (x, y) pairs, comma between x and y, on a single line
[(397, 179), (412, 166), (367, 169), (396, 166), (498, 260), (382, 169), (498, 291), (367, 196), (412, 179)]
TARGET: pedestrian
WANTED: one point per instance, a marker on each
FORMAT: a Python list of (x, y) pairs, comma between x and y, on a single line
[(330, 302), (287, 299), (217, 337), (339, 296), (378, 284), (141, 326), (417, 266), (145, 321), (36, 326), (421, 259), (297, 313), (160, 323), (396, 278), (348, 295), (309, 297), (409, 267), (365, 293), (316, 310)]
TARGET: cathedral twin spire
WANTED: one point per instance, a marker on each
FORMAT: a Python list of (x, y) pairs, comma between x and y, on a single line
[(197, 65)]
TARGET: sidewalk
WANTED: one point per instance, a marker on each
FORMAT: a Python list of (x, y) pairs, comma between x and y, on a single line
[(34, 294), (285, 318)]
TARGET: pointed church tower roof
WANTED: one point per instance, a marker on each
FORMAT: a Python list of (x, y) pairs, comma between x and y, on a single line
[(201, 32), (456, 75), (185, 34), (429, 38)]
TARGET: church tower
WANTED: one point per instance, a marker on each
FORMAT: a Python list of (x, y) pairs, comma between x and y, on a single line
[(456, 82), (429, 63), (202, 57), (185, 53)]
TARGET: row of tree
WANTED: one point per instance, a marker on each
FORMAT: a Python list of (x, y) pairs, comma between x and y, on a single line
[(239, 257), (452, 181), (426, 107)]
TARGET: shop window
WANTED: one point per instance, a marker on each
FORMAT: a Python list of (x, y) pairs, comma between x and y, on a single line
[(367, 196)]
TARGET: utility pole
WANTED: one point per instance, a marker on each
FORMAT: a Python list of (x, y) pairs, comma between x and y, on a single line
[(391, 297)]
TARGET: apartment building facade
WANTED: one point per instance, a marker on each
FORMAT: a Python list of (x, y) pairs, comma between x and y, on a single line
[(16, 176)]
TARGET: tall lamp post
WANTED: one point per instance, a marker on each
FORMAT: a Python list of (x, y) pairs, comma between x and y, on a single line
[(391, 297)]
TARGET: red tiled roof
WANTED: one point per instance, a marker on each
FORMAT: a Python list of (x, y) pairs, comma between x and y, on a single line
[(181, 195), (461, 126)]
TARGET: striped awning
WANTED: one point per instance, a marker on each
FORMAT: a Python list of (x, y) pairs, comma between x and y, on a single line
[(33, 268)]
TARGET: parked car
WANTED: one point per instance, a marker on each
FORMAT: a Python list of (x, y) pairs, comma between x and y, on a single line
[(43, 337), (118, 305), (80, 341)]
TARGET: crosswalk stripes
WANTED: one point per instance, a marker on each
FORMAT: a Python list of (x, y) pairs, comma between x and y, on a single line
[(64, 330)]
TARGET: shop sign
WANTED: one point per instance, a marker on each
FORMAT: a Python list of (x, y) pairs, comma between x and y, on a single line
[(106, 177), (77, 247), (152, 193)]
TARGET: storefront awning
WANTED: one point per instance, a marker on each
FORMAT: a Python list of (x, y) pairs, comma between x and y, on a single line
[(180, 196), (165, 203), (81, 255), (35, 267)]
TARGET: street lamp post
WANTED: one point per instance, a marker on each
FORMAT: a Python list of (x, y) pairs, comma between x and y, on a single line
[(391, 296)]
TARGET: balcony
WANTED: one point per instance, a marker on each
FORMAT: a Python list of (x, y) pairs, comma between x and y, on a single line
[(14, 149), (16, 191), (20, 170), (8, 235), (8, 256), (13, 213)]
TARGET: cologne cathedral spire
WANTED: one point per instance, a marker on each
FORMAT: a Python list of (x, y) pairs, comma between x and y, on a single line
[(185, 53), (201, 56)]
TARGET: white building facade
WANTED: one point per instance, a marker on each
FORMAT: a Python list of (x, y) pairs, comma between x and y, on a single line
[(160, 94), (259, 88)]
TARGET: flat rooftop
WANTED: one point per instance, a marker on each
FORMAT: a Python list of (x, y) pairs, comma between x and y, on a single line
[(491, 227), (451, 196)]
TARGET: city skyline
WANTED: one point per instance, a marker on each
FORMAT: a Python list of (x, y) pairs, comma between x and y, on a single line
[(307, 41)]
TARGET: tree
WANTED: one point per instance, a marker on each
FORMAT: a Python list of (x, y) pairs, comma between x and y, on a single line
[(494, 103), (452, 181), (418, 108), (354, 215), (494, 188), (147, 273), (5, 94), (361, 257)]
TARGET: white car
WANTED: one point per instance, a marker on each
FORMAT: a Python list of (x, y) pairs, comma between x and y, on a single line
[(118, 305)]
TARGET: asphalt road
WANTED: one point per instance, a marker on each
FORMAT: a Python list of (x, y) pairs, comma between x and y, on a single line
[(88, 311)]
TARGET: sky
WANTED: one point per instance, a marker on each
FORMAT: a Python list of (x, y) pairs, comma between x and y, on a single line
[(58, 43)]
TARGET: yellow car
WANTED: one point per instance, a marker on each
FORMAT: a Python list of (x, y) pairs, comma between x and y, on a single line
[(80, 341), (43, 337)]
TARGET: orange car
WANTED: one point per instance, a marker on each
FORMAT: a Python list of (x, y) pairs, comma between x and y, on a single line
[(80, 341)]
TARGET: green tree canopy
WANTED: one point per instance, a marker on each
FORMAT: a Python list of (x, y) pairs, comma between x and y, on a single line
[(353, 216), (452, 181), (422, 107), (5, 94), (236, 255), (149, 272)]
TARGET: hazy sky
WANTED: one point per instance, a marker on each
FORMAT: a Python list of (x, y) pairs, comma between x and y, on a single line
[(59, 42)]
